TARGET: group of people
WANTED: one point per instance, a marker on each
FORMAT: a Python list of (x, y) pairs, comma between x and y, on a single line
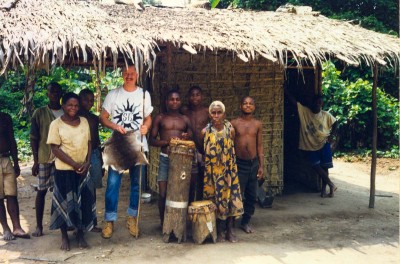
[(67, 158)]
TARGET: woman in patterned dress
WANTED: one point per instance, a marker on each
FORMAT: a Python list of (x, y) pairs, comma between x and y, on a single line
[(221, 183)]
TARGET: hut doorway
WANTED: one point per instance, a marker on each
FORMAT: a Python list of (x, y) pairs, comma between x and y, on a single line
[(298, 173)]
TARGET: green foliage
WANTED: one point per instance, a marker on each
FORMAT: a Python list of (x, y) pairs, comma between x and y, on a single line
[(378, 15), (351, 103), (362, 153), (214, 3), (72, 80)]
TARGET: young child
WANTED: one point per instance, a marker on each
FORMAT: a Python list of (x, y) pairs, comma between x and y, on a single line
[(167, 126), (249, 157), (73, 199), (86, 102)]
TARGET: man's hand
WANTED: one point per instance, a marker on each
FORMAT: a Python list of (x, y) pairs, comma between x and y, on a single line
[(35, 169), (260, 173), (120, 129), (17, 170), (185, 136), (144, 129)]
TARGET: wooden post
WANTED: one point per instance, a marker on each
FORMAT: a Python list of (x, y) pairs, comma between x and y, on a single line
[(98, 90), (316, 80), (374, 139), (98, 72), (169, 64)]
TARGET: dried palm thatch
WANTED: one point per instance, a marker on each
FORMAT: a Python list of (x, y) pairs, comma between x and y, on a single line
[(57, 32)]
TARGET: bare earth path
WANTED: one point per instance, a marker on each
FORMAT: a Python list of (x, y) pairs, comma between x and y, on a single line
[(300, 228)]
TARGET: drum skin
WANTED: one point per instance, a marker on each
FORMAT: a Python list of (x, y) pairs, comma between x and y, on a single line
[(202, 216)]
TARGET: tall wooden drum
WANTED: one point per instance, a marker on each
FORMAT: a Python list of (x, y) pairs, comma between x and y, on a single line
[(202, 216), (179, 174)]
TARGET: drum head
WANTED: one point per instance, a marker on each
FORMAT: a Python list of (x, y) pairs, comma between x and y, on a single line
[(201, 203)]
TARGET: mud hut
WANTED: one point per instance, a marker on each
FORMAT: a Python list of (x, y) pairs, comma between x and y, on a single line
[(229, 53)]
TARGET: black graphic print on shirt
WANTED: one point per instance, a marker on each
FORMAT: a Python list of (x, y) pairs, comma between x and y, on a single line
[(128, 116)]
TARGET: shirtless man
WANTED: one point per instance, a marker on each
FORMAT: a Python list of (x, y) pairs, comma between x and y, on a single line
[(249, 157), (167, 126), (8, 180), (199, 117)]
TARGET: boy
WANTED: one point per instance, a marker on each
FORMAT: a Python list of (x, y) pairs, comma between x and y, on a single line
[(43, 165), (170, 125), (199, 117), (86, 102), (315, 129), (249, 157), (8, 180)]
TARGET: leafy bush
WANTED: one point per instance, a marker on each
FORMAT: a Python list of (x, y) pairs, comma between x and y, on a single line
[(72, 80), (351, 103)]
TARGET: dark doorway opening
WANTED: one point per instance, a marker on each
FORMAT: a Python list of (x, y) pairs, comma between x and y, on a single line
[(298, 175)]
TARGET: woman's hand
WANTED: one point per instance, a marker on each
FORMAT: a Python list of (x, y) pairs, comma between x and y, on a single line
[(83, 169)]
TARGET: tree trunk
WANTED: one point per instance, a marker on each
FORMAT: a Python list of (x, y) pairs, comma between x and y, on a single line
[(27, 101)]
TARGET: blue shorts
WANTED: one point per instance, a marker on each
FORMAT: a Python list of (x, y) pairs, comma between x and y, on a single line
[(322, 157), (163, 167)]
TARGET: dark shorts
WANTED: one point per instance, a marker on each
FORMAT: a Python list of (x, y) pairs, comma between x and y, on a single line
[(96, 172), (322, 157), (198, 161), (163, 168)]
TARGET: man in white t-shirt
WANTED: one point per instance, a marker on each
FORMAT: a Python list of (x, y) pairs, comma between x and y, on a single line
[(315, 129), (123, 111)]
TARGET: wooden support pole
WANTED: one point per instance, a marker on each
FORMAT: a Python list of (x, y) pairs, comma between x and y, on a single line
[(169, 64), (374, 139)]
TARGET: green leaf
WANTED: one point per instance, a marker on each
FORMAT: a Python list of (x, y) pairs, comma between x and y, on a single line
[(214, 3)]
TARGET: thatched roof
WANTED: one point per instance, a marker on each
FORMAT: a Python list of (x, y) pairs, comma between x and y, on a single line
[(60, 31)]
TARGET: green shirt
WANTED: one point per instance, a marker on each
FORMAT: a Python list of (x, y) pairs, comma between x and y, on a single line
[(41, 120)]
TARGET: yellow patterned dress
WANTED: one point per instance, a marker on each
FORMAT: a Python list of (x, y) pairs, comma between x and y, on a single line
[(221, 182)]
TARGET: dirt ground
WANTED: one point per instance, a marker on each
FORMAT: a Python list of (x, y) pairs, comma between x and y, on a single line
[(300, 228)]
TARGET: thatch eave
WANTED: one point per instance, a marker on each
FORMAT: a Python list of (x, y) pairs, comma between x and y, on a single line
[(67, 31)]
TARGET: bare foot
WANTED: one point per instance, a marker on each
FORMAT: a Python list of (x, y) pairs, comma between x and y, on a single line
[(220, 237), (38, 232), (80, 240), (65, 243), (20, 233), (7, 235), (82, 243), (96, 229), (230, 236), (246, 228), (333, 189)]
